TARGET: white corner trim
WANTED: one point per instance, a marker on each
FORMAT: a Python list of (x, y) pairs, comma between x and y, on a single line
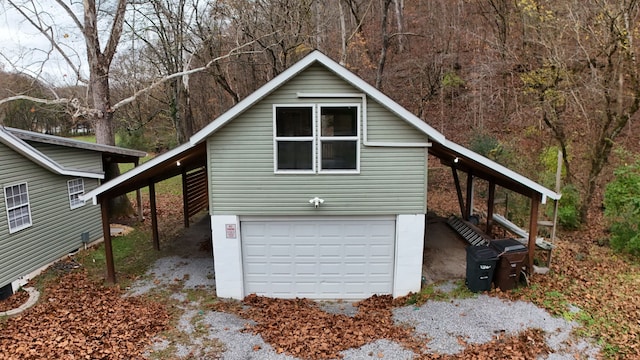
[(409, 249), (227, 256)]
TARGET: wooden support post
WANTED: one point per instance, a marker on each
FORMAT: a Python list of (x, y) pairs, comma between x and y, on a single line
[(138, 196), (533, 230), (185, 201), (490, 205), (456, 180), (154, 215), (469, 207), (108, 249)]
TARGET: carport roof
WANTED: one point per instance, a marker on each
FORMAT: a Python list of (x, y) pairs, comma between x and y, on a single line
[(195, 151)]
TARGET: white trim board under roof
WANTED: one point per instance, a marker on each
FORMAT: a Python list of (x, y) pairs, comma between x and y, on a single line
[(370, 91), (57, 140), (41, 159)]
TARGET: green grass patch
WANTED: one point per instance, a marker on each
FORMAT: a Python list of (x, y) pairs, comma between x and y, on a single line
[(92, 139), (431, 292), (133, 254), (85, 138), (171, 186)]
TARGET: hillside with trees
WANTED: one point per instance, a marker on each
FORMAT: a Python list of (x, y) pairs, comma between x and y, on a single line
[(514, 80)]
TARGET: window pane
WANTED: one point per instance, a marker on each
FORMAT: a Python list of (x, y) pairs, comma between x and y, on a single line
[(339, 121), (295, 155), (339, 155), (294, 121)]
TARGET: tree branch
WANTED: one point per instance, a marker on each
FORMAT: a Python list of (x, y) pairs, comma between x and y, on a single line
[(45, 32), (164, 79)]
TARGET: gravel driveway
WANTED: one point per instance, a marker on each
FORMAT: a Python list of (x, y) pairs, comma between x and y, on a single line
[(476, 320)]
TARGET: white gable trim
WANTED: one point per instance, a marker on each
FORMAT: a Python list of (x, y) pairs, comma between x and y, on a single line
[(466, 153), (367, 90), (377, 95), (133, 172), (298, 67), (41, 159)]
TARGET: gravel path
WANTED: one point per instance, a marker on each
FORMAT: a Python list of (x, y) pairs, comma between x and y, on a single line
[(474, 320)]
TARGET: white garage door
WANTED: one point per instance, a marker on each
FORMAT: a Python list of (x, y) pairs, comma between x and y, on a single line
[(318, 259)]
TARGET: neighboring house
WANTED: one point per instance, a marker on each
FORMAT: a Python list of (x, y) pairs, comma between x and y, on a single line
[(42, 216), (317, 187)]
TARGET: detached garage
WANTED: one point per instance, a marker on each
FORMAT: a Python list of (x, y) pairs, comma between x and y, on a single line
[(317, 187), (328, 258)]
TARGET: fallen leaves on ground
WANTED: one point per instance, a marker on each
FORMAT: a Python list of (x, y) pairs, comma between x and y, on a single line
[(300, 328), (529, 344), (77, 319), (14, 301), (604, 286)]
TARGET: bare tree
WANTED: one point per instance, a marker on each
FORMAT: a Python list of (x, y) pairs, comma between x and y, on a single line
[(587, 80)]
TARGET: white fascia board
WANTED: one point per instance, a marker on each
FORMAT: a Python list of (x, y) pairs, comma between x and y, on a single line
[(256, 96), (336, 68), (377, 95), (41, 159), (133, 172), (466, 153)]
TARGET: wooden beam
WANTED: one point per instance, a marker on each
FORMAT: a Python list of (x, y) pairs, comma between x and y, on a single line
[(490, 206), (138, 196), (106, 234), (533, 230), (154, 215), (456, 180), (469, 205), (185, 198)]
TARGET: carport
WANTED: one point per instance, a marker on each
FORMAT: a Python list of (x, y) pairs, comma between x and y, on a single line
[(189, 161), (186, 160)]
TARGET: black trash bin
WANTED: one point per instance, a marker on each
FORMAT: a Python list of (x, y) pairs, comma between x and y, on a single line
[(481, 262), (513, 256), (6, 291)]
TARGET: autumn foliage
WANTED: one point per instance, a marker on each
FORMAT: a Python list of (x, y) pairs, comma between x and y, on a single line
[(77, 319)]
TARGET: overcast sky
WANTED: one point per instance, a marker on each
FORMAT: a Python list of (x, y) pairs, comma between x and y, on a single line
[(24, 49)]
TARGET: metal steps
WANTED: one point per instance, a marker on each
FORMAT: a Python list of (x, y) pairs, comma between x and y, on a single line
[(468, 232)]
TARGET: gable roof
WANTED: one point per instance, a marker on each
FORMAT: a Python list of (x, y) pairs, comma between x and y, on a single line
[(15, 139), (446, 148), (72, 143)]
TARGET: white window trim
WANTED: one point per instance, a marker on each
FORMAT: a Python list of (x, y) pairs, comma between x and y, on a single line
[(295, 138), (28, 204), (338, 138), (316, 139), (79, 193)]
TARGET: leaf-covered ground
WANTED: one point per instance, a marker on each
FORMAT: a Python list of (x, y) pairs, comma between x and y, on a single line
[(78, 319)]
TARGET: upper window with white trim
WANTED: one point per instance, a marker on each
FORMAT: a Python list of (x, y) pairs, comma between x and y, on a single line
[(16, 198), (76, 188), (322, 137)]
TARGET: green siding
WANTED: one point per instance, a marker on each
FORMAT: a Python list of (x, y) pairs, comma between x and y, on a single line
[(56, 229), (391, 180), (72, 158)]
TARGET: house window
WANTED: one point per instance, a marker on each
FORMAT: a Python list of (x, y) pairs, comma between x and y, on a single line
[(294, 139), (339, 138), (331, 132), (16, 198), (76, 188)]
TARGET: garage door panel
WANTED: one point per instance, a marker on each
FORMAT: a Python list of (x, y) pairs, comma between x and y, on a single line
[(280, 250), (305, 250), (328, 269), (305, 269), (325, 258)]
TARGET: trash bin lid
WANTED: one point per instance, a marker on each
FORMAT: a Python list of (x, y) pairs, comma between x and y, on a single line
[(507, 245), (482, 252)]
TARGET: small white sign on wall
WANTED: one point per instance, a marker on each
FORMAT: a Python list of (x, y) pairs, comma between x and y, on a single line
[(231, 230)]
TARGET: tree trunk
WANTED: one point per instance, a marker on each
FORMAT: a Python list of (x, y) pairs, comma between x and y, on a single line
[(385, 43)]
